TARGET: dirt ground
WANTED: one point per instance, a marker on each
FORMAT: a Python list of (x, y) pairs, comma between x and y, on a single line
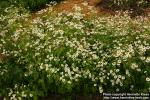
[(68, 5)]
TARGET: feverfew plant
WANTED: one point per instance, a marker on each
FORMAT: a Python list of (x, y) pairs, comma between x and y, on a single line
[(68, 53)]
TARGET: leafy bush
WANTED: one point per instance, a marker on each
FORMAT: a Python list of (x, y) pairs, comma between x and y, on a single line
[(32, 5), (66, 53), (136, 6), (3, 4)]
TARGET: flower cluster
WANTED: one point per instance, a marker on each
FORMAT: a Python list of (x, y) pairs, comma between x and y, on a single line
[(66, 52)]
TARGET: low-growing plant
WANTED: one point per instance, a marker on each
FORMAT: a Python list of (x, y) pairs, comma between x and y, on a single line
[(32, 5), (66, 53)]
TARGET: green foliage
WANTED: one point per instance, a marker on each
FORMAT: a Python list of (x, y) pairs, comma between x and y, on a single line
[(32, 5), (66, 53)]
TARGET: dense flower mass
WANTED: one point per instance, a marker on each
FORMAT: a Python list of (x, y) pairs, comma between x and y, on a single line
[(66, 52)]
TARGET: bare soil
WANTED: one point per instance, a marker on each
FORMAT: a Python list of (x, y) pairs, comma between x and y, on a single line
[(68, 5)]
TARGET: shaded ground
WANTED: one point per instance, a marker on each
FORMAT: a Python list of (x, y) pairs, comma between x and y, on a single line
[(72, 97), (2, 57)]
